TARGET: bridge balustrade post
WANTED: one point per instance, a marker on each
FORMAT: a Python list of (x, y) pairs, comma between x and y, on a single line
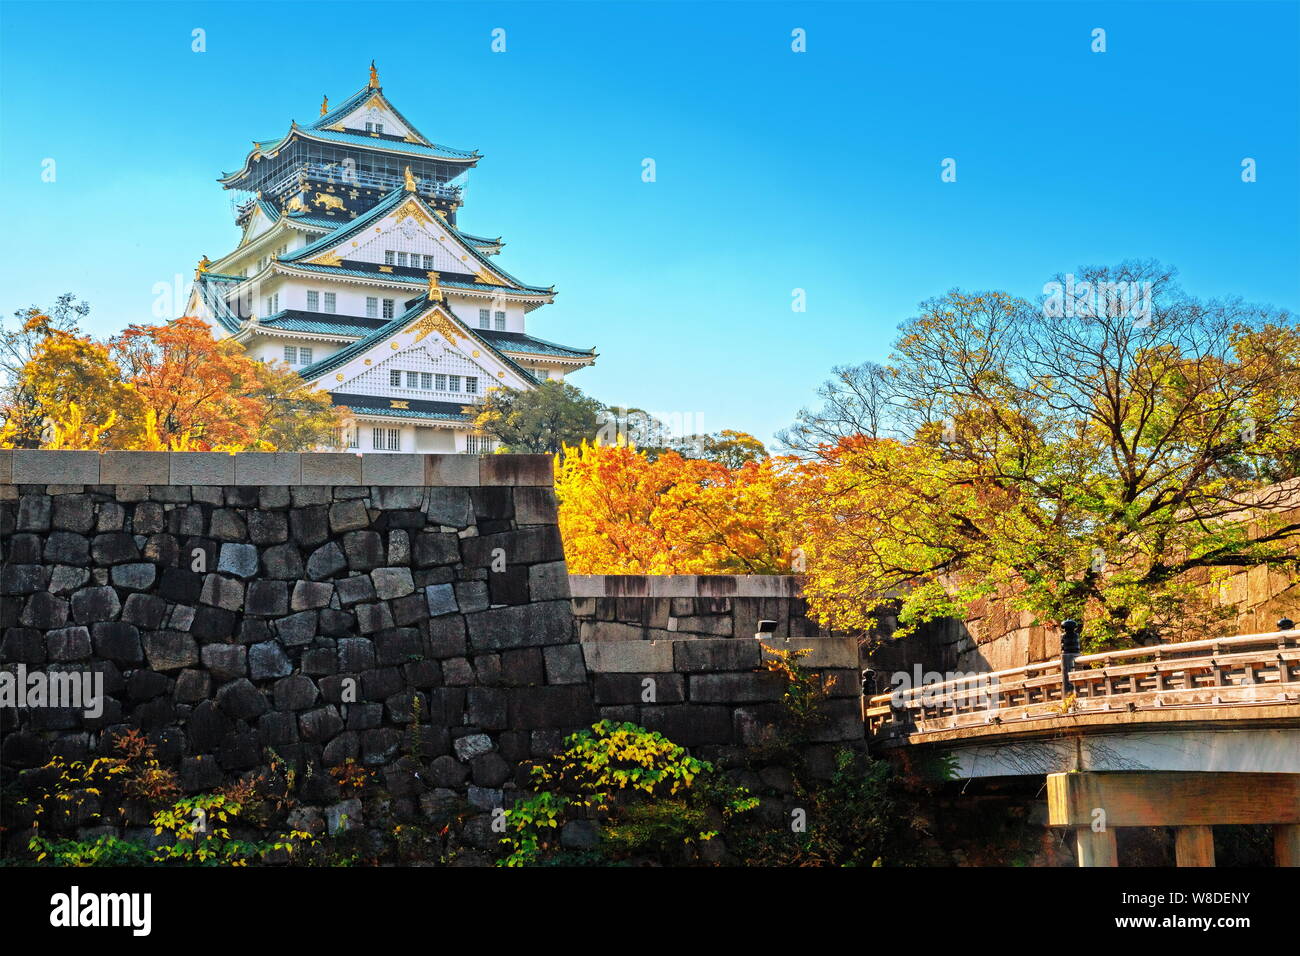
[(1070, 646)]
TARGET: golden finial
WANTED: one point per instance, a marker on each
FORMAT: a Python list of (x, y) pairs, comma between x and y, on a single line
[(435, 292), (202, 267), (410, 181), (374, 76), (324, 105)]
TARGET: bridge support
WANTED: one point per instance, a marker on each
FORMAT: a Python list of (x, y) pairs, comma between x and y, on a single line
[(1286, 844), (1194, 846), (1094, 803)]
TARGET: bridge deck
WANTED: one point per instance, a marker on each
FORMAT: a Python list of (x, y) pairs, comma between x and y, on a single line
[(1252, 678)]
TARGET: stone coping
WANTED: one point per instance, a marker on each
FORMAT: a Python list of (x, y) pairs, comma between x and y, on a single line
[(684, 585), (28, 466)]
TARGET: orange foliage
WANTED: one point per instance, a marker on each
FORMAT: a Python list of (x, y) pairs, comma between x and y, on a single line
[(621, 513)]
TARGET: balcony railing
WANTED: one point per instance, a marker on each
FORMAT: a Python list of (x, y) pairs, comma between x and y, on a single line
[(340, 175)]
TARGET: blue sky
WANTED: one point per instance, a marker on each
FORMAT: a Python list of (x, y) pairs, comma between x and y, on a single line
[(775, 170)]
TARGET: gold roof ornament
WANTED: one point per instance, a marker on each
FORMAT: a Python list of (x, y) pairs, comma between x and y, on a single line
[(324, 105), (410, 180), (202, 267), (435, 291), (374, 76)]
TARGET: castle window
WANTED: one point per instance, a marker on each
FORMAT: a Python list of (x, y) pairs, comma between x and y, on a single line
[(501, 321), (426, 380), (388, 308), (441, 383), (313, 301), (273, 304), (330, 300), (412, 379), (401, 258), (388, 257), (372, 307), (485, 318), (291, 354), (428, 262), (395, 378), (386, 439), (304, 356), (453, 383), (471, 384)]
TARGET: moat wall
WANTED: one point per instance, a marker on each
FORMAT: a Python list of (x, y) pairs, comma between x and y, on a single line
[(411, 613)]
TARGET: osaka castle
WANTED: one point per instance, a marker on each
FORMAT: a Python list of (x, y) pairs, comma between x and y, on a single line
[(353, 269)]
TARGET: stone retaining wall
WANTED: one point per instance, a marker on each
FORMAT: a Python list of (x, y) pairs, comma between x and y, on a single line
[(239, 608), (678, 654), (306, 605)]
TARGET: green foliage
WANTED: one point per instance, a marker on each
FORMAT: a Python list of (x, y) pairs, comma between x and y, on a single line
[(649, 794), (541, 420), (104, 851)]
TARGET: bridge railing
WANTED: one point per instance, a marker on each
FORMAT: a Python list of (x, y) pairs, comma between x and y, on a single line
[(1252, 668)]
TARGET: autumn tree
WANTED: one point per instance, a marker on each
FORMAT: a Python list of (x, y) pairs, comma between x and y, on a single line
[(622, 512), (159, 387), (856, 401), (20, 421), (538, 420), (1105, 453), (731, 449), (204, 393)]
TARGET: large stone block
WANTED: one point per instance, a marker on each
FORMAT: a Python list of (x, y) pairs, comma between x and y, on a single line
[(135, 468), (640, 688), (526, 625), (331, 468), (170, 650), (267, 660), (716, 655), (824, 653), (450, 507), (536, 505), (39, 466), (350, 515), (563, 707), (564, 664), (756, 687), (530, 545), (225, 661), (629, 657), (392, 470), (690, 724), (268, 468), (202, 468), (548, 582), (516, 470), (240, 560)]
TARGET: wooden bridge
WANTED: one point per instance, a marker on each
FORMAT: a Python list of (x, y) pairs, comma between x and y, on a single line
[(1183, 735)]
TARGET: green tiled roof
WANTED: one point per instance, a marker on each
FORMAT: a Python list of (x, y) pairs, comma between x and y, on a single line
[(374, 214), (359, 97), (523, 342), (295, 320), (211, 293), (416, 307)]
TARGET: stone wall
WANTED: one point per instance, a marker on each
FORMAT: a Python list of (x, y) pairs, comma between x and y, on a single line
[(677, 654), (309, 605), (242, 608)]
